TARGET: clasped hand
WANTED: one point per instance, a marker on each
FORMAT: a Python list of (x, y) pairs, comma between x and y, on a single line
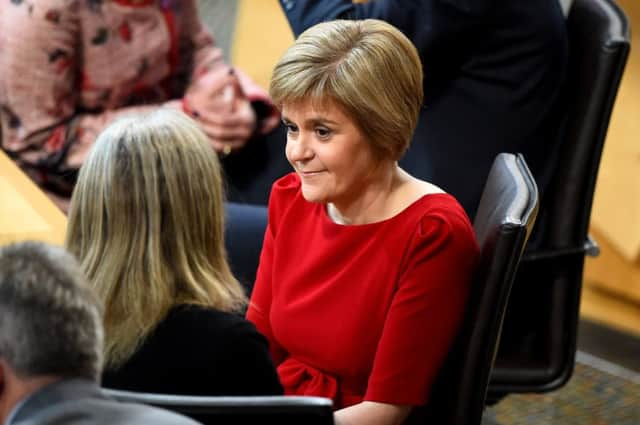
[(217, 101)]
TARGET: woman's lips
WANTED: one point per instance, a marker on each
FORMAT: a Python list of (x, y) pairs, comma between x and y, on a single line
[(311, 173)]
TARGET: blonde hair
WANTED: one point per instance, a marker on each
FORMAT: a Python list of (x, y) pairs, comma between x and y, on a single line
[(367, 67), (147, 224)]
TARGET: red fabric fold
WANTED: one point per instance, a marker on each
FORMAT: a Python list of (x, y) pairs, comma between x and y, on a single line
[(301, 379)]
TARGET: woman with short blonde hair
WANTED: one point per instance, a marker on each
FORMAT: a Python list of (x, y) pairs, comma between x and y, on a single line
[(343, 64), (147, 225), (365, 269)]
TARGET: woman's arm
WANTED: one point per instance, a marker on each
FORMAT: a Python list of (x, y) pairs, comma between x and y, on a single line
[(372, 413), (426, 310), (260, 303), (259, 310)]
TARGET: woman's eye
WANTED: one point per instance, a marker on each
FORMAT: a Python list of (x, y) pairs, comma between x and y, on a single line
[(323, 133), (290, 128)]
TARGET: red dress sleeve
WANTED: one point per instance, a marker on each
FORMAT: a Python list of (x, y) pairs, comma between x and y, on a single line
[(426, 310)]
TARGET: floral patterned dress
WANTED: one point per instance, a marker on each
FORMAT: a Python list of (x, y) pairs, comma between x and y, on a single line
[(70, 67)]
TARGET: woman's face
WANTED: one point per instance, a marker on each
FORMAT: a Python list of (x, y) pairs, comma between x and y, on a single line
[(333, 158)]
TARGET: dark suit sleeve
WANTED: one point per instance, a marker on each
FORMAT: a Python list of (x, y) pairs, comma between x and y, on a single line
[(443, 31), (410, 16)]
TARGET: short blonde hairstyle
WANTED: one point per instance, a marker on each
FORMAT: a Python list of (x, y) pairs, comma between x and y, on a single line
[(368, 67), (147, 224)]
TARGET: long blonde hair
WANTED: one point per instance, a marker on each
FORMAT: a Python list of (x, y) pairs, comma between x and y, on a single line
[(147, 224)]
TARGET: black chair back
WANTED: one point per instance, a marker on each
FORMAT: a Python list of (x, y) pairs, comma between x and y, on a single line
[(503, 222), (539, 340), (282, 410)]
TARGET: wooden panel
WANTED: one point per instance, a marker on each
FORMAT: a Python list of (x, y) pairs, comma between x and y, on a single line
[(616, 208), (25, 211), (601, 307), (262, 34), (611, 272), (611, 292)]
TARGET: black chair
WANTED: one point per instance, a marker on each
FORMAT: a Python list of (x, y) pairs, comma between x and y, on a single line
[(538, 344), (503, 222), (282, 410)]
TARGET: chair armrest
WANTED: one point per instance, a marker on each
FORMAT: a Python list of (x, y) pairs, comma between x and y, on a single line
[(592, 249), (589, 247)]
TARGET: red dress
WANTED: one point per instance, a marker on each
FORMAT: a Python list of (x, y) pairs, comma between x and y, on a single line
[(361, 312)]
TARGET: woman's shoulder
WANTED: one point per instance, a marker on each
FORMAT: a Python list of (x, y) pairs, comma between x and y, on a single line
[(289, 184), (438, 206), (438, 218), (286, 196), (207, 319), (417, 200)]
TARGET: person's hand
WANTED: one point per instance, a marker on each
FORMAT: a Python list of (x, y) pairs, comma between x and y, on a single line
[(218, 103)]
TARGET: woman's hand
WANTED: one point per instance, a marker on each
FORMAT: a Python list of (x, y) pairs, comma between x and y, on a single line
[(218, 103), (372, 413)]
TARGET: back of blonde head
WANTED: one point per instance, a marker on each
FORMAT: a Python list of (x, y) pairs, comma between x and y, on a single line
[(368, 67), (147, 225)]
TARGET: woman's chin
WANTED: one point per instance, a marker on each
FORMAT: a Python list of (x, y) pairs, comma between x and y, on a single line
[(313, 195)]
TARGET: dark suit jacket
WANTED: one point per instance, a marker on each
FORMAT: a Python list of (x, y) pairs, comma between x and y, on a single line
[(81, 402), (494, 70), (200, 351)]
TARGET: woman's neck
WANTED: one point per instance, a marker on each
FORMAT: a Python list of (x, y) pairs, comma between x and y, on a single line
[(372, 201)]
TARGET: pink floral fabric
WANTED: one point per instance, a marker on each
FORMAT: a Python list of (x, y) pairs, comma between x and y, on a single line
[(70, 67)]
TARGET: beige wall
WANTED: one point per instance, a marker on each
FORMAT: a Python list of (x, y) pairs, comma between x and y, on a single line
[(612, 281), (261, 36), (616, 208)]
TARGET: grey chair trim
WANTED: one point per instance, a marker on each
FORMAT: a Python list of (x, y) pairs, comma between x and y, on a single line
[(590, 247), (223, 410), (218, 401), (517, 213)]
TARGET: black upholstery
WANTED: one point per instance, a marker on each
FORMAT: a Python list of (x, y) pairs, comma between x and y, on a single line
[(538, 344), (504, 219), (282, 410)]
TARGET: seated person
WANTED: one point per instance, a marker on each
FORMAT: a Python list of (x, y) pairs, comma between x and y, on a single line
[(365, 269), (51, 345), (147, 224), (494, 72), (69, 68)]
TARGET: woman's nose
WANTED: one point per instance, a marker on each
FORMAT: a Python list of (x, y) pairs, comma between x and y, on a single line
[(299, 149)]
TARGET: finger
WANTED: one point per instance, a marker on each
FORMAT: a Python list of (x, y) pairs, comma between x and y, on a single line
[(224, 133), (227, 120), (237, 87), (228, 97), (214, 81), (269, 123), (243, 117)]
